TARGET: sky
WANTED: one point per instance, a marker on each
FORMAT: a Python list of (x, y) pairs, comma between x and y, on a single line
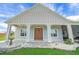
[(9, 10)]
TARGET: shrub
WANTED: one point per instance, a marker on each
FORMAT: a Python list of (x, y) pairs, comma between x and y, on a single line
[(68, 41), (11, 38)]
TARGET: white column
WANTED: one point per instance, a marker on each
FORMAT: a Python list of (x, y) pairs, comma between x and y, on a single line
[(8, 32), (70, 33), (49, 32), (28, 32)]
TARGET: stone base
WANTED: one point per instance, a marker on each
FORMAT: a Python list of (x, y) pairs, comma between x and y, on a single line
[(24, 44)]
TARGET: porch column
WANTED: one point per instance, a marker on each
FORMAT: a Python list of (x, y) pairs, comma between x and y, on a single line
[(70, 33), (28, 31), (49, 32), (8, 32)]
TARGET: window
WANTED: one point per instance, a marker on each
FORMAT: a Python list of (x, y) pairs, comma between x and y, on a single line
[(54, 32), (23, 32)]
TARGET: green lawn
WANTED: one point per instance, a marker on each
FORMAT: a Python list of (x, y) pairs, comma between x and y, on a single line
[(2, 37), (40, 51)]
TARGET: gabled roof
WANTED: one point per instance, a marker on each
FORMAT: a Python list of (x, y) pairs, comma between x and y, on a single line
[(39, 10)]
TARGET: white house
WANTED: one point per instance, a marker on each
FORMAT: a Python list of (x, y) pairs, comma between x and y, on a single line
[(40, 24)]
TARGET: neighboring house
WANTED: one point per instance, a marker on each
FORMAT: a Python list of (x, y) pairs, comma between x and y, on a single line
[(41, 24)]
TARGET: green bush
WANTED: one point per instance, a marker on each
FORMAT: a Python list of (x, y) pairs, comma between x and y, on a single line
[(11, 38), (68, 41)]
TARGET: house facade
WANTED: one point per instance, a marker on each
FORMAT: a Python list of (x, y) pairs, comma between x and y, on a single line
[(41, 24)]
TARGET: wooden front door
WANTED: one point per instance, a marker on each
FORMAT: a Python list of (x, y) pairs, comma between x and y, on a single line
[(38, 35)]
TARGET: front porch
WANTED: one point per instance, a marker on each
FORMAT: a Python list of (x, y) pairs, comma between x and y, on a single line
[(28, 40), (48, 33)]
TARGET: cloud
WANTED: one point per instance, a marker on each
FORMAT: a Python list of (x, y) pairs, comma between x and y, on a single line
[(60, 10), (3, 27), (73, 8), (9, 10), (71, 5), (22, 7), (2, 30), (3, 24), (50, 5), (6, 15), (73, 18)]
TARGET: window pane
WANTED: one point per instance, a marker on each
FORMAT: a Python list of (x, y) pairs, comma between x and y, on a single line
[(23, 32), (54, 33)]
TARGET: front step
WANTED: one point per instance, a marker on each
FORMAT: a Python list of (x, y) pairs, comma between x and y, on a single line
[(37, 44)]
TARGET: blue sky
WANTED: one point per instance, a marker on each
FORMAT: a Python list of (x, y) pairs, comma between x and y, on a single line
[(9, 10)]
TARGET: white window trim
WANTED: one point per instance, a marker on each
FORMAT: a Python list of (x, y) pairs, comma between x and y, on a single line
[(24, 31), (57, 32)]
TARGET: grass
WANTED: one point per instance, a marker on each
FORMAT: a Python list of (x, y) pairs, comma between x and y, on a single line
[(2, 37), (40, 51)]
